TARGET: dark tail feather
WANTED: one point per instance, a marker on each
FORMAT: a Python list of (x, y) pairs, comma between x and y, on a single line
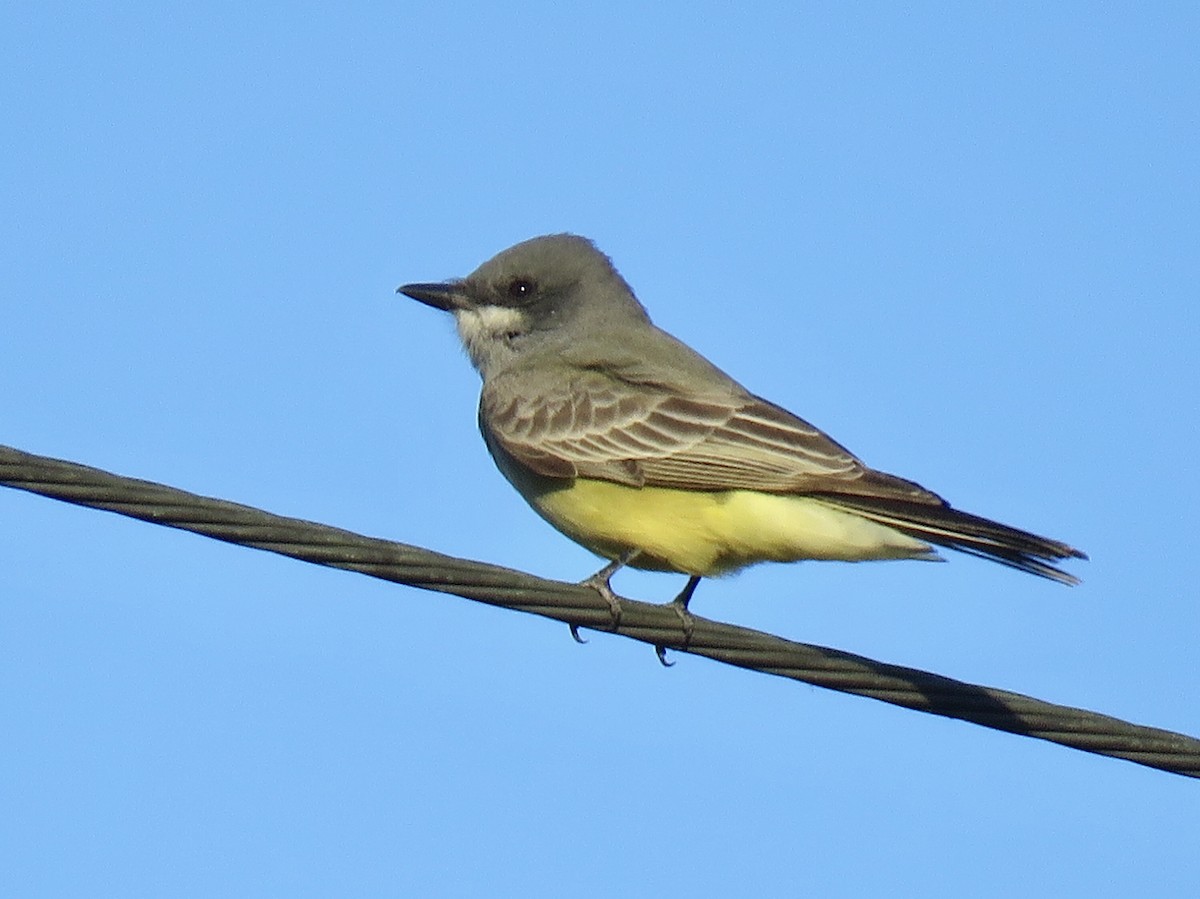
[(966, 533)]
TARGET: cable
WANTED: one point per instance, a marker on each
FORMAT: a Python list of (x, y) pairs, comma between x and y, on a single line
[(658, 625)]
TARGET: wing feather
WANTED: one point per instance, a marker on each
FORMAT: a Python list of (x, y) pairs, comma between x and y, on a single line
[(598, 425), (629, 424)]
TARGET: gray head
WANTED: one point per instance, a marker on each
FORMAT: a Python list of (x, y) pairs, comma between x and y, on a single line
[(538, 294)]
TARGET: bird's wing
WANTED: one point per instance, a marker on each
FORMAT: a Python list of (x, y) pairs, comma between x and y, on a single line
[(598, 424)]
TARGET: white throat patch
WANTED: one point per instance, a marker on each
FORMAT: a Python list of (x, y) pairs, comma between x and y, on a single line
[(486, 331)]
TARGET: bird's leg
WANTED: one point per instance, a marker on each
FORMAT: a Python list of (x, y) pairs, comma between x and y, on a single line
[(685, 595), (680, 605), (599, 583)]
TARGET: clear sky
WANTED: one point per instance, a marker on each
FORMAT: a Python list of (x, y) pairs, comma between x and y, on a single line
[(960, 238)]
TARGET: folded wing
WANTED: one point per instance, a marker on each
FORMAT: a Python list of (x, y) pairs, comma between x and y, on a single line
[(599, 424)]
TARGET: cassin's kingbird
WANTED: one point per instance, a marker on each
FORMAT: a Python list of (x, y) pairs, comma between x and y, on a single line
[(640, 449)]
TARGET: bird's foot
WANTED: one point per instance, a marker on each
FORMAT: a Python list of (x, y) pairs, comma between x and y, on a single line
[(600, 583), (680, 606)]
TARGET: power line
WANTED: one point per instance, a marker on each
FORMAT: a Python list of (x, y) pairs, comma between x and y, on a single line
[(658, 625)]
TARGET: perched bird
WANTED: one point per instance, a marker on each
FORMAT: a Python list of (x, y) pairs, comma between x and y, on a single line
[(640, 449)]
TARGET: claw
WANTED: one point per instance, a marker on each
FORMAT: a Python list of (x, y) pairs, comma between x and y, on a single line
[(686, 620), (599, 583), (680, 605), (575, 633)]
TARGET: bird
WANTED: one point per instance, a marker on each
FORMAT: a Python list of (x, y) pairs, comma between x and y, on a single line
[(643, 451)]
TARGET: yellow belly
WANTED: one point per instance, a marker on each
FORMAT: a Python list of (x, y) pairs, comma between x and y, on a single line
[(709, 533)]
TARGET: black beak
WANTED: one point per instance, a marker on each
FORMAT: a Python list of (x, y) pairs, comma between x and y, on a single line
[(446, 296)]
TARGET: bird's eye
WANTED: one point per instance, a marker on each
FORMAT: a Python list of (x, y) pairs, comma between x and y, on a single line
[(521, 288)]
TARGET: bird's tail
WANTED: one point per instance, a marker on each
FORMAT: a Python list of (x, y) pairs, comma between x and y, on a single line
[(948, 527)]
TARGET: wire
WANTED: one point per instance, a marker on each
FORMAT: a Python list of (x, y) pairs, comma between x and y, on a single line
[(580, 606)]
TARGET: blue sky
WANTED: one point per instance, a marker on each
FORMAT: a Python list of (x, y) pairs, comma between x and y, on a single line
[(962, 239)]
